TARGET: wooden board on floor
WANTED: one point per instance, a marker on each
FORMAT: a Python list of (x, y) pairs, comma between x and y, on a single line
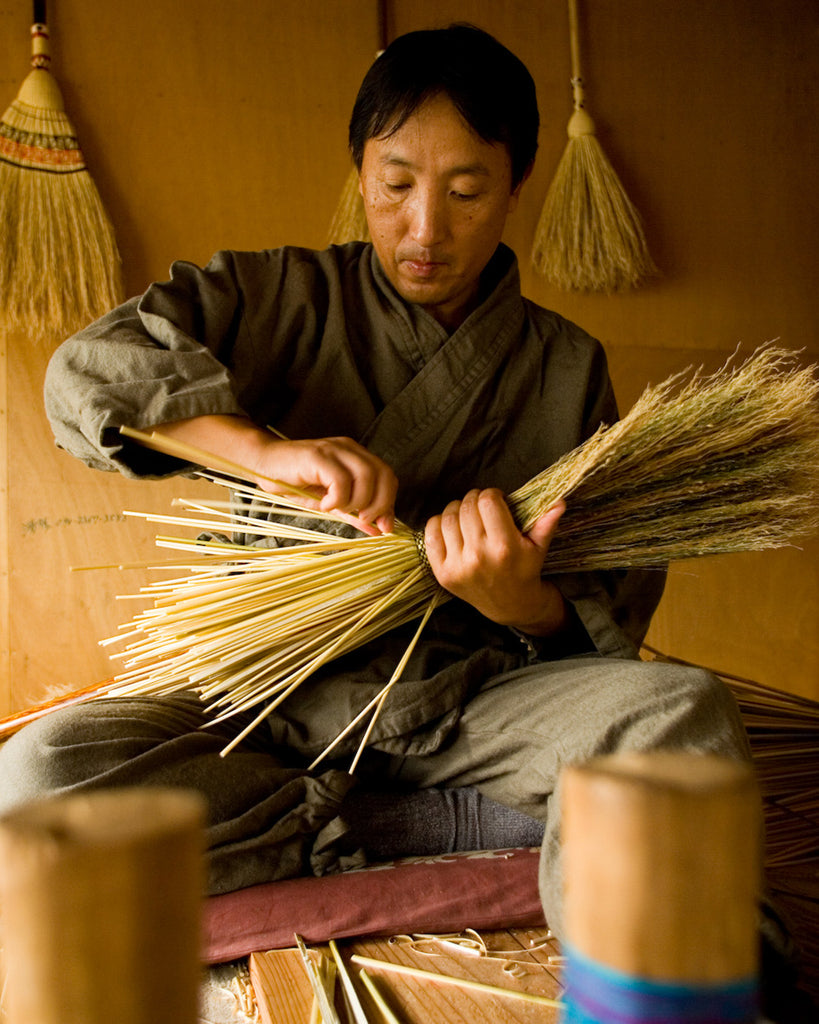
[(281, 987), (284, 995)]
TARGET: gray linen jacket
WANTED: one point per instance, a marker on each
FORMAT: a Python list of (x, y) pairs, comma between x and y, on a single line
[(319, 344)]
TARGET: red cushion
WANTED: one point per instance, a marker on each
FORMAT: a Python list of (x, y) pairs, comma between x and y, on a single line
[(488, 889)]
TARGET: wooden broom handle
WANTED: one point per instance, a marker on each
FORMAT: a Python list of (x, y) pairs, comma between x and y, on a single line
[(40, 51)]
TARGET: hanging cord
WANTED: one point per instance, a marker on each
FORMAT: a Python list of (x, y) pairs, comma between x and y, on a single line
[(580, 122), (383, 26)]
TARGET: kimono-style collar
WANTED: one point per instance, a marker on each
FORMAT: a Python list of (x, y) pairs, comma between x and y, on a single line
[(417, 428), (425, 335)]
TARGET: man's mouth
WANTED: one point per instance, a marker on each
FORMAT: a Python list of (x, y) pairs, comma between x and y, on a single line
[(423, 267)]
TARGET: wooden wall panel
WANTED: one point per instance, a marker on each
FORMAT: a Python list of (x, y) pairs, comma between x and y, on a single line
[(205, 125), (62, 516), (210, 125)]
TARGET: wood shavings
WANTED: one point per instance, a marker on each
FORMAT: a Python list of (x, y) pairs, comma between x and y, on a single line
[(227, 995), (470, 943)]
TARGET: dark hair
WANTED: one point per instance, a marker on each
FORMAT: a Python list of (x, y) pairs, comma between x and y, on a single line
[(488, 85)]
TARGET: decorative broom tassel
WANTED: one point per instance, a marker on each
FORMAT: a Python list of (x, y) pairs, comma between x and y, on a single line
[(589, 236), (59, 265)]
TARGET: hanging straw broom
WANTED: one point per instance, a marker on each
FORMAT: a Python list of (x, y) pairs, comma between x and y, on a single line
[(589, 236), (59, 265), (722, 463)]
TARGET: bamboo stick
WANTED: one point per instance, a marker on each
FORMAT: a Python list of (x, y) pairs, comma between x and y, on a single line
[(349, 989), (378, 998), (328, 1012), (448, 979)]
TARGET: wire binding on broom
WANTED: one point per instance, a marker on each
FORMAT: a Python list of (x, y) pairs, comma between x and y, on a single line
[(722, 463)]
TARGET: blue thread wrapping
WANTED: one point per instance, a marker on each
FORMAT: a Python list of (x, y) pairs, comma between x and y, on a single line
[(596, 994)]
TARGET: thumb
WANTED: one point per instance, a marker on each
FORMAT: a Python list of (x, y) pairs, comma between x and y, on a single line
[(545, 528)]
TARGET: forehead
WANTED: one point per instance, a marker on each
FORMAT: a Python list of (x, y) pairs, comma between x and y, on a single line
[(437, 137)]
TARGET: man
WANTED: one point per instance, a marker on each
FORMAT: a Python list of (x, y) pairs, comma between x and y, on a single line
[(413, 378)]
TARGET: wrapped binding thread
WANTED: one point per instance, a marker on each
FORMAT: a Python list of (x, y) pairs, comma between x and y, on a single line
[(662, 879)]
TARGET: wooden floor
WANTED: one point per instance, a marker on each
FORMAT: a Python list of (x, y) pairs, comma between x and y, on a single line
[(284, 995)]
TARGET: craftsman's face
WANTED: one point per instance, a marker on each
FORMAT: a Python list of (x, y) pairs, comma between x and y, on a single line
[(436, 197)]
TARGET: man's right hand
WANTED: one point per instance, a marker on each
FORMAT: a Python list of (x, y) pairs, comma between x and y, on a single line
[(343, 475)]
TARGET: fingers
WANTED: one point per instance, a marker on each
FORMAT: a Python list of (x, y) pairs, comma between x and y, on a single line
[(478, 537), (544, 529), (344, 476), (356, 481), (477, 529)]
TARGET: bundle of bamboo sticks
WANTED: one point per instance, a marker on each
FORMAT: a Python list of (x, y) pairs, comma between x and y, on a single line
[(714, 464)]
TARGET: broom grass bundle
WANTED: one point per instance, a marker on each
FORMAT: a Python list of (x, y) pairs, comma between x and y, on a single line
[(589, 236), (249, 624), (720, 463), (59, 264)]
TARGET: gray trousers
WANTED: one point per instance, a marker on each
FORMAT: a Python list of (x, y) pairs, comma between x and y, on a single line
[(268, 816)]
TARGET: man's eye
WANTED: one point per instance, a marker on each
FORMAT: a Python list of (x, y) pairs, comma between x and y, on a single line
[(397, 186), (466, 196)]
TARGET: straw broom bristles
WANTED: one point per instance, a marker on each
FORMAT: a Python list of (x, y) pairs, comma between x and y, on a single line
[(722, 463), (59, 264), (728, 463), (349, 223), (589, 236)]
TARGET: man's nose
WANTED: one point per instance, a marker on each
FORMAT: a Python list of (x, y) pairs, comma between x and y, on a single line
[(429, 218)]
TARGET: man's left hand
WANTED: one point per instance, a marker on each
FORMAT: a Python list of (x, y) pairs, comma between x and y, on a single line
[(477, 553)]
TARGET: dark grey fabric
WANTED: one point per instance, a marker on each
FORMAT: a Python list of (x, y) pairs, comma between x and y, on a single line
[(269, 818)]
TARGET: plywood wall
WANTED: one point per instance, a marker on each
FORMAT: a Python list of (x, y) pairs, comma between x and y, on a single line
[(209, 124)]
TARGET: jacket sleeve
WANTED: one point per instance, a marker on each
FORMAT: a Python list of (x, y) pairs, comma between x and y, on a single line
[(167, 355)]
